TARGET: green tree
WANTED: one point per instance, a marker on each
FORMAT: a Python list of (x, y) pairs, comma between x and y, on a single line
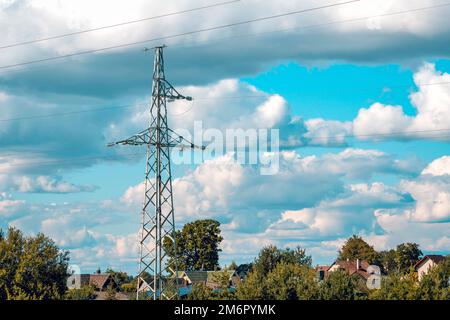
[(397, 287), (197, 245), (11, 250), (435, 284), (111, 293), (232, 266), (407, 254), (119, 277), (388, 261), (129, 287), (256, 285), (31, 267), (252, 288), (288, 281), (84, 293), (270, 256), (356, 248), (200, 292), (222, 292), (338, 286)]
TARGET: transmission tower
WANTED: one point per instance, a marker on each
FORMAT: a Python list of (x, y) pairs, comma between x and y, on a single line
[(157, 243)]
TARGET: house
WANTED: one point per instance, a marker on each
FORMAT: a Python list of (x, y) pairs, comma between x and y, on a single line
[(209, 278), (101, 282), (351, 267), (424, 265), (321, 271)]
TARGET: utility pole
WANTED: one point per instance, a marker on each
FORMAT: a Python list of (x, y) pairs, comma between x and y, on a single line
[(157, 218)]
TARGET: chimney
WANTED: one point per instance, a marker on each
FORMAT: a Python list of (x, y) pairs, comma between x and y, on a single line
[(357, 264)]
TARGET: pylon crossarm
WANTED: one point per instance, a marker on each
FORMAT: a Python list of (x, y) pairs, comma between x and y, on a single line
[(138, 139), (172, 94), (183, 143)]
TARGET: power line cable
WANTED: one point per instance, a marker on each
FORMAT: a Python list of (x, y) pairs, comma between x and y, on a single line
[(398, 134), (60, 114), (405, 134), (175, 35), (311, 26), (208, 42), (116, 25), (267, 95)]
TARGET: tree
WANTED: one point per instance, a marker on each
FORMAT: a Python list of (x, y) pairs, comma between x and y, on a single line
[(110, 293), (200, 292), (11, 249), (356, 248), (289, 281), (256, 285), (435, 285), (222, 291), (252, 288), (270, 256), (31, 267), (338, 286), (397, 287), (232, 266), (119, 277), (84, 293), (197, 245), (407, 254), (388, 261), (245, 268)]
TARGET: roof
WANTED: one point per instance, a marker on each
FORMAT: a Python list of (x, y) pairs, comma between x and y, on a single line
[(350, 267), (97, 280), (197, 276), (436, 258), (322, 268), (204, 276)]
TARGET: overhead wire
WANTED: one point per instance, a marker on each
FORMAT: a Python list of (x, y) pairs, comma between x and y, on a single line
[(116, 157), (2, 47), (266, 95), (229, 25), (312, 26)]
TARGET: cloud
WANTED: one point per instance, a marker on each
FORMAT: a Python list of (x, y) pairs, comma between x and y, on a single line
[(9, 208), (348, 213), (263, 210), (40, 184), (400, 38), (398, 228), (380, 122), (439, 167), (432, 193), (224, 189), (226, 104), (321, 132), (432, 102), (309, 203)]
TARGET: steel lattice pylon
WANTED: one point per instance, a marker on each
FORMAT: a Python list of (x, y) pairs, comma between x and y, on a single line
[(158, 220)]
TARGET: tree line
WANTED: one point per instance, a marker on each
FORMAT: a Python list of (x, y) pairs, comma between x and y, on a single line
[(33, 267)]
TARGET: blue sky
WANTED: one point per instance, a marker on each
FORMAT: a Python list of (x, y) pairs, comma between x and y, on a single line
[(330, 91)]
